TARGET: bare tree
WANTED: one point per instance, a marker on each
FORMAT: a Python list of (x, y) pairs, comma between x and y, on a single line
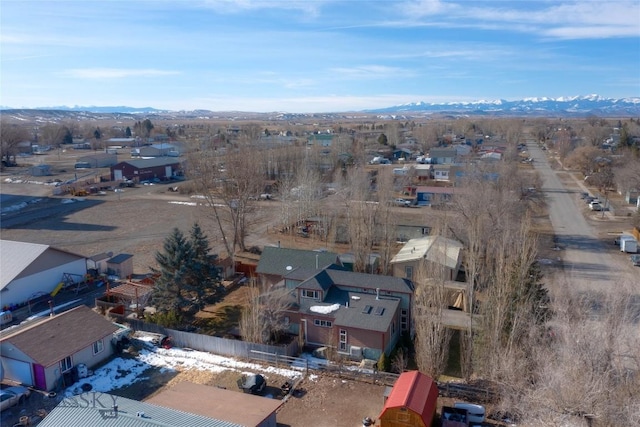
[(588, 364), (263, 319), (10, 136), (432, 334), (230, 184)]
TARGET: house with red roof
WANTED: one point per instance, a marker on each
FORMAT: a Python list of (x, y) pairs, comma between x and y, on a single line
[(412, 401)]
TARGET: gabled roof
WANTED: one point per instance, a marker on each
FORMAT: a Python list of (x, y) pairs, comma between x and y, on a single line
[(15, 257), (282, 261), (50, 340), (415, 391), (436, 249), (83, 411), (149, 163), (338, 277)]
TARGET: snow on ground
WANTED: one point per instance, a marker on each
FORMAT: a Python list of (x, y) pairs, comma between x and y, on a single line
[(19, 206), (123, 371)]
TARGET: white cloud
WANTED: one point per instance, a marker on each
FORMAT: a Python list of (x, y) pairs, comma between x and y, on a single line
[(235, 6), (115, 73), (371, 71), (589, 19)]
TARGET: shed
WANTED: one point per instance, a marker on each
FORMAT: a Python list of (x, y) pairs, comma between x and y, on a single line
[(40, 170), (214, 402), (412, 401), (120, 265)]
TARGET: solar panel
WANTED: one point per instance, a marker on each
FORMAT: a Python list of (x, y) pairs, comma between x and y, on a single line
[(379, 311), (367, 309)]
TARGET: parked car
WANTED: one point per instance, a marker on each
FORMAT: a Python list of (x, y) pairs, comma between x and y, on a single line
[(12, 396), (595, 206), (402, 202), (635, 260), (584, 195)]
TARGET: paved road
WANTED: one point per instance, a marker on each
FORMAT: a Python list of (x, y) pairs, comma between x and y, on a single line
[(588, 264)]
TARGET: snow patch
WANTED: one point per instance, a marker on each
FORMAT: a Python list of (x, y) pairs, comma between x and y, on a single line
[(324, 309)]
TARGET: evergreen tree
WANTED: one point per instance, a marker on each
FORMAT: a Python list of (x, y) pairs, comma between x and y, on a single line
[(382, 139), (204, 276), (127, 132), (187, 273), (170, 293)]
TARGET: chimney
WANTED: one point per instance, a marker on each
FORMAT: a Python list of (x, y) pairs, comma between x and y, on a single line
[(377, 293)]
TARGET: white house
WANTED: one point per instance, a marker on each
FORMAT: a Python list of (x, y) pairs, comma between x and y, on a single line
[(27, 269), (434, 250)]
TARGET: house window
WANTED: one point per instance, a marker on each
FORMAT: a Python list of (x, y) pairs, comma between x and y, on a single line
[(323, 323), (65, 364), (393, 328), (310, 294), (408, 271), (404, 319), (286, 320), (343, 340), (98, 346)]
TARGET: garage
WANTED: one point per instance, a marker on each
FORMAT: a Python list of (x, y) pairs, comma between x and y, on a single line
[(17, 370)]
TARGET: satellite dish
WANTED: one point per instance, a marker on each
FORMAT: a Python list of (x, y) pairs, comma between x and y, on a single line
[(289, 268)]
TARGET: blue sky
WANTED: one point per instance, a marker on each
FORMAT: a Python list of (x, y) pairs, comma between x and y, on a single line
[(313, 55)]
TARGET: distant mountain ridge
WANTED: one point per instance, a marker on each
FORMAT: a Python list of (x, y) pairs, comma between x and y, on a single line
[(577, 106), (569, 106)]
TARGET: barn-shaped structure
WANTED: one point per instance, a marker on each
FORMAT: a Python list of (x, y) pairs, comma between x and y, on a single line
[(412, 401)]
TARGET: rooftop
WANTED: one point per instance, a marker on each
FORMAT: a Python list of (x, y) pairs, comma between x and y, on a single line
[(214, 402), (52, 339)]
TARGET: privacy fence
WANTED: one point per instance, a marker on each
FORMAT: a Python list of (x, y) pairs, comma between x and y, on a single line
[(216, 345)]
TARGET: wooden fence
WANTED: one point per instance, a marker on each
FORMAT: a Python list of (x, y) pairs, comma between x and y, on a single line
[(338, 370), (216, 345)]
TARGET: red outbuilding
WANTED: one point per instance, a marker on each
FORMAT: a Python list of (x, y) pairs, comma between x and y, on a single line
[(412, 401)]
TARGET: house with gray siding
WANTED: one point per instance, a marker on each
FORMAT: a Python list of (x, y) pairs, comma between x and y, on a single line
[(43, 353)]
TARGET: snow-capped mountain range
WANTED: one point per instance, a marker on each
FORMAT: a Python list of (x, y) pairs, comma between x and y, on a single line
[(576, 106), (570, 106)]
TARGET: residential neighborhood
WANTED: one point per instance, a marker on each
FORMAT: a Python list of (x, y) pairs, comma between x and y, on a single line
[(387, 276)]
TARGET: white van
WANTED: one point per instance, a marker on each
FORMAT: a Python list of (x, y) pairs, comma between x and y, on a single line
[(628, 244), (475, 413)]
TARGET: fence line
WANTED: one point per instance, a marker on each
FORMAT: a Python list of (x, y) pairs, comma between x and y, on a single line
[(216, 345)]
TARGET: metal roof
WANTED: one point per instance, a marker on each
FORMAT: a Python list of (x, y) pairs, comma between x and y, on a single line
[(436, 249), (415, 391), (83, 410), (149, 163), (15, 257)]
